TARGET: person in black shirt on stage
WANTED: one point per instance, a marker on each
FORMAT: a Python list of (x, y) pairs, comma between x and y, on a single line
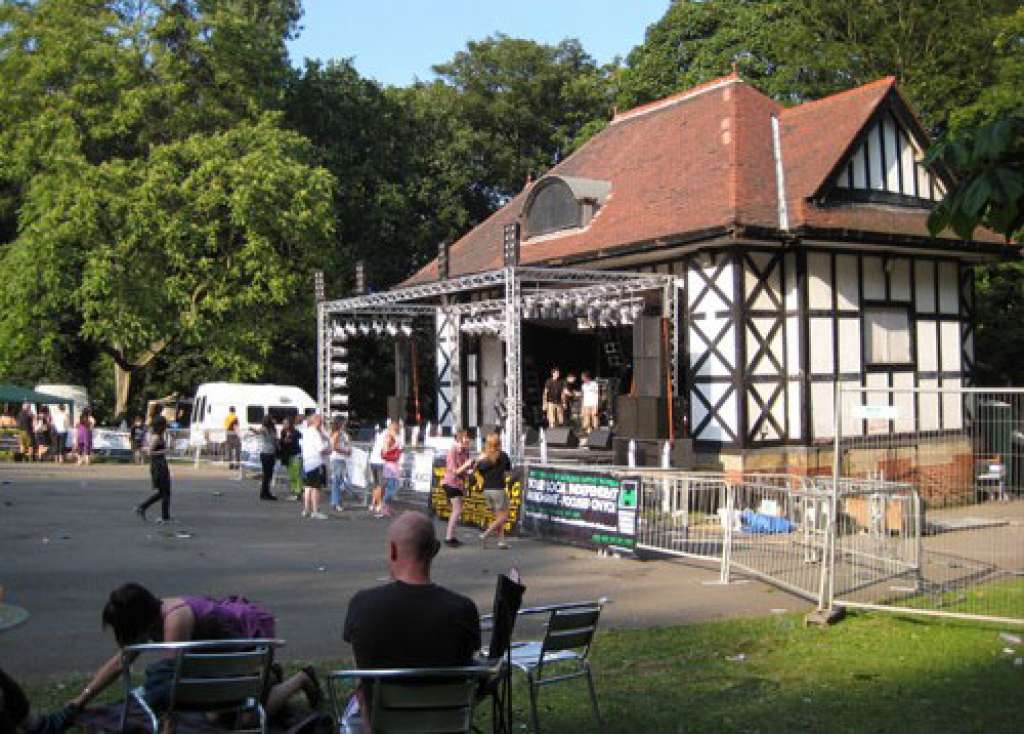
[(495, 466), (411, 622), (553, 389)]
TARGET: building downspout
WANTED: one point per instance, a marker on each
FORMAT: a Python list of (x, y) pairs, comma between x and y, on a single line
[(780, 176)]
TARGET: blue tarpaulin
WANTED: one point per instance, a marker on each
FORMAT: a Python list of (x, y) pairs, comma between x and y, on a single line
[(755, 522)]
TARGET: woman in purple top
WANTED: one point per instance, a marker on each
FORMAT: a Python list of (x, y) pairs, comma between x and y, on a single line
[(137, 617), (456, 467), (83, 437)]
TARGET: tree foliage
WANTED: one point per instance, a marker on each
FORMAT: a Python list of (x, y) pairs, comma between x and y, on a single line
[(158, 200)]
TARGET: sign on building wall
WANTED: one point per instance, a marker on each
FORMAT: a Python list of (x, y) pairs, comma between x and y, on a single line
[(582, 507)]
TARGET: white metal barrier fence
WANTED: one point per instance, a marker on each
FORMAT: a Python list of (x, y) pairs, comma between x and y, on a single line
[(951, 541)]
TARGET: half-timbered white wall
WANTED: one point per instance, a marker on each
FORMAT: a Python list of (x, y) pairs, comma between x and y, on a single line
[(935, 296)]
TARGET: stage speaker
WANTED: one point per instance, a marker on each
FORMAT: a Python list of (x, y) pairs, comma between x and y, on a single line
[(562, 437), (396, 407), (530, 436), (600, 439), (641, 416), (648, 367)]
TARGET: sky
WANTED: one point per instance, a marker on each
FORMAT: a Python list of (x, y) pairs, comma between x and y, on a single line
[(397, 41)]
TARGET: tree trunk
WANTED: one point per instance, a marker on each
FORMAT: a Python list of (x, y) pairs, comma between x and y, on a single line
[(122, 382)]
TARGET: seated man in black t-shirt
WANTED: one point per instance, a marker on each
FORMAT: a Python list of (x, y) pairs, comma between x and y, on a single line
[(412, 622)]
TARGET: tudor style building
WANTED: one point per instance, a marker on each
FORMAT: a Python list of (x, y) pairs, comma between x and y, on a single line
[(798, 237)]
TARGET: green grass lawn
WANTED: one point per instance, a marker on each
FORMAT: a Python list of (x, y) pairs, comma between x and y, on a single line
[(871, 672)]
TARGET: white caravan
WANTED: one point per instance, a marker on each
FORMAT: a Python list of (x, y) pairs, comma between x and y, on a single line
[(252, 403)]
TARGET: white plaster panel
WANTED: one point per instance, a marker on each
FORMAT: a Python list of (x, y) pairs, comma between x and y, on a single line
[(874, 278), (949, 332), (821, 346), (892, 168), (899, 279), (823, 409), (877, 397), (949, 302), (928, 405), (764, 366), (713, 392), (904, 402), (793, 406), (874, 141), (924, 286), (907, 160), (792, 290), (819, 280), (851, 396), (793, 346), (713, 366), (968, 342), (849, 345), (927, 349), (766, 431), (846, 282), (773, 283), (952, 407)]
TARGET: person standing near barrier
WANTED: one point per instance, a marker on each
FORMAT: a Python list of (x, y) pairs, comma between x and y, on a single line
[(268, 456), (59, 432), (83, 437), (495, 466), (26, 432), (341, 448), (42, 430), (159, 472), (138, 438), (232, 439), (290, 453), (391, 455), (456, 466), (315, 449)]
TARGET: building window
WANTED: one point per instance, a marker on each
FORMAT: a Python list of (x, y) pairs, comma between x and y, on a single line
[(553, 208), (887, 336)]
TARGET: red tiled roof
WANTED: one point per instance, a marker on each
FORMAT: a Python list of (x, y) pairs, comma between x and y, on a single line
[(699, 161)]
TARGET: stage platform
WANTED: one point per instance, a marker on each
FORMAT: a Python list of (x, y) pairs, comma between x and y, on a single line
[(582, 456)]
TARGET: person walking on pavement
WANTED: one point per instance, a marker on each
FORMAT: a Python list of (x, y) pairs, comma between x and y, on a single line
[(456, 468), (158, 471)]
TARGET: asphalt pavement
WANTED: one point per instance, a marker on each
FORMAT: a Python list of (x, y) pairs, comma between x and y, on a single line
[(68, 536)]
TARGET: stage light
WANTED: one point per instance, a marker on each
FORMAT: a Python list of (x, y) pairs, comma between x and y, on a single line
[(637, 309), (391, 329), (341, 367), (339, 351), (378, 328), (339, 400), (364, 328), (339, 382), (406, 328), (584, 324), (351, 328)]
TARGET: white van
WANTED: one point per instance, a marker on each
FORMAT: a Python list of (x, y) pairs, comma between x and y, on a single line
[(76, 393), (252, 403)]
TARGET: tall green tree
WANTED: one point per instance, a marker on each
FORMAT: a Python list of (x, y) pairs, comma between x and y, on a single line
[(941, 51), (524, 105), (157, 201)]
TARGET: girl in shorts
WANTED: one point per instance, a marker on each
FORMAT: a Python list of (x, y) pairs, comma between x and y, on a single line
[(315, 450), (494, 467), (456, 467)]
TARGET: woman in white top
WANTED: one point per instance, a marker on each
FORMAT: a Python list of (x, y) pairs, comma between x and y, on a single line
[(315, 449)]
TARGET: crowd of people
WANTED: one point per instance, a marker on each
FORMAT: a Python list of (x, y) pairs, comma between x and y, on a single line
[(407, 623), (46, 434)]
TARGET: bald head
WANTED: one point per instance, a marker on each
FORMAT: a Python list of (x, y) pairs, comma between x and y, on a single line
[(413, 538)]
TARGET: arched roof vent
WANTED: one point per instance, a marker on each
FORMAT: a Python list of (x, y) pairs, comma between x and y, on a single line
[(557, 203)]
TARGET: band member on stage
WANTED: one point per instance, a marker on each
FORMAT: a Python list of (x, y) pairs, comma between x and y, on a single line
[(569, 395), (553, 398), (591, 399)]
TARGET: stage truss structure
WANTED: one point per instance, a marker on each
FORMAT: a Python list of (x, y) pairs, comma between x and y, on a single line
[(510, 292)]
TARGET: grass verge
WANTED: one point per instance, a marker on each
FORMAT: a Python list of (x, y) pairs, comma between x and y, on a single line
[(872, 672)]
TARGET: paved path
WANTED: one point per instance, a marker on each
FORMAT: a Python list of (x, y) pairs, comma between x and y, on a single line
[(68, 536)]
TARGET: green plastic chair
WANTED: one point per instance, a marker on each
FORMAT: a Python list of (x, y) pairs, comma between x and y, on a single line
[(414, 700)]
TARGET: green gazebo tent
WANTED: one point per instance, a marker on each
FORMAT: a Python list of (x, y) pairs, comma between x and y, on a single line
[(14, 394)]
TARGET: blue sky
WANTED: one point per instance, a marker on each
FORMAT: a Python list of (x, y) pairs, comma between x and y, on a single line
[(396, 41)]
